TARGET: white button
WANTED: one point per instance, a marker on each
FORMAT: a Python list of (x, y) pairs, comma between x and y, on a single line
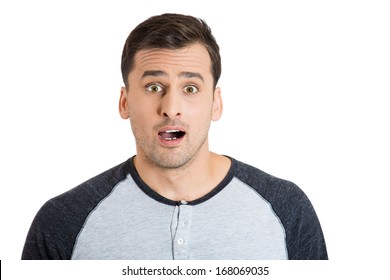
[(183, 202), (180, 241)]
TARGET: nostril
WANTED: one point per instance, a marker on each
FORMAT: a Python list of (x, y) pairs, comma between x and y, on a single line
[(171, 115)]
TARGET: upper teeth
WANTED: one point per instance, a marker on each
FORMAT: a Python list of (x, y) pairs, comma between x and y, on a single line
[(170, 131)]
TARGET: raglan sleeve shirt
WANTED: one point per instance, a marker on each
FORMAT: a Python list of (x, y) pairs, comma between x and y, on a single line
[(249, 215)]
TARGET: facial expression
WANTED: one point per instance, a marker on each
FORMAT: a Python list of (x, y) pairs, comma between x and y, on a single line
[(171, 101)]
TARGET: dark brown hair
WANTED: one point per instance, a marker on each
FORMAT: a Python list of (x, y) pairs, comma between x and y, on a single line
[(170, 31)]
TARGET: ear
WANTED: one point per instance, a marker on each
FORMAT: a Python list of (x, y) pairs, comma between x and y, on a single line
[(123, 105), (217, 105)]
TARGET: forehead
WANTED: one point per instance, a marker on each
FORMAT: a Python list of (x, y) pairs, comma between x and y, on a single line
[(194, 57)]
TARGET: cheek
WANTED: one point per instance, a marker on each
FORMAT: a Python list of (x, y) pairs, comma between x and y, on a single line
[(205, 108), (138, 107), (199, 115), (135, 114), (141, 116)]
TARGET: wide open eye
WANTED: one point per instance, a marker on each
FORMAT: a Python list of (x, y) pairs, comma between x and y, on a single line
[(154, 88), (190, 89)]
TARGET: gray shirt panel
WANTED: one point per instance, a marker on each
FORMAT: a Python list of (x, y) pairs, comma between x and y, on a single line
[(127, 224), (237, 223)]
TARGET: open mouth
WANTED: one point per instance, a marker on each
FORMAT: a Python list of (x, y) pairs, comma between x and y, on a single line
[(170, 135)]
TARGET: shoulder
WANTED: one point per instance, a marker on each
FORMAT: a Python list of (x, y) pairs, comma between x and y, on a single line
[(303, 233), (85, 197), (89, 193), (272, 188), (58, 222)]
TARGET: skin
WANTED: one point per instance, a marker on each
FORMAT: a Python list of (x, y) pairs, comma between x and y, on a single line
[(174, 89)]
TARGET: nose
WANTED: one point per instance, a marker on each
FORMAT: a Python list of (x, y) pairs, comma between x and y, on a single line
[(171, 105)]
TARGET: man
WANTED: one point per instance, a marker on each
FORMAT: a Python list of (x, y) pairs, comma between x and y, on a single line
[(175, 199)]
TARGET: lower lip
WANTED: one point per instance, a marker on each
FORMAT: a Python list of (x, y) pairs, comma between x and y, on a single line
[(171, 143)]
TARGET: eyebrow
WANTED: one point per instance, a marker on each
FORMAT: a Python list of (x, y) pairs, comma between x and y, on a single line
[(185, 74), (191, 75)]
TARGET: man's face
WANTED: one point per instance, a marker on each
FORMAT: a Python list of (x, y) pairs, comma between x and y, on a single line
[(170, 101)]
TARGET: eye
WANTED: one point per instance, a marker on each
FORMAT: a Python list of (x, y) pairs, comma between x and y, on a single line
[(190, 89), (154, 88)]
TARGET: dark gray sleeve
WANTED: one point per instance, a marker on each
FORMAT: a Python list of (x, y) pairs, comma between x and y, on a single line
[(304, 236), (54, 230)]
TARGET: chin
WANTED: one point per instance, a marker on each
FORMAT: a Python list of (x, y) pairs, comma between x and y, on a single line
[(170, 162)]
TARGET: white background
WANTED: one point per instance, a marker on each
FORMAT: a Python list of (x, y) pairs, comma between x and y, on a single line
[(305, 87)]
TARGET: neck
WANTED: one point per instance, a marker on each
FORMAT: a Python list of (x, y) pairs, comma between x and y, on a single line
[(189, 182)]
